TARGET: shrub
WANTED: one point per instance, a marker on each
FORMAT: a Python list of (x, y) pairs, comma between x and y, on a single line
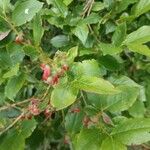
[(75, 74)]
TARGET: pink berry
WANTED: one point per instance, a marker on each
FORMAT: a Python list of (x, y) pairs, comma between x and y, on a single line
[(46, 72)]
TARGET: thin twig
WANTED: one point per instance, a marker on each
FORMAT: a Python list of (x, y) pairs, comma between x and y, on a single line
[(90, 7), (12, 124), (15, 104), (145, 146), (87, 8), (46, 92), (84, 100)]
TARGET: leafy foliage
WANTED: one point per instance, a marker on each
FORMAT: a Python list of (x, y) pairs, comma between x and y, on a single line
[(74, 74)]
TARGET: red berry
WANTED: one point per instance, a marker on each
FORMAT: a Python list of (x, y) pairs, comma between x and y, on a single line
[(55, 80), (65, 67)]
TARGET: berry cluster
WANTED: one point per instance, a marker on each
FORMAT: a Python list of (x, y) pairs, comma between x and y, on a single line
[(52, 76), (34, 110)]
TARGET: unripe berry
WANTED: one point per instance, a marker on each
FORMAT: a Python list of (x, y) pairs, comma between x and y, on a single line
[(42, 66), (23, 117), (107, 119), (86, 121), (29, 116), (66, 139), (19, 39), (47, 113), (34, 109), (75, 110), (65, 67), (60, 72), (34, 101)]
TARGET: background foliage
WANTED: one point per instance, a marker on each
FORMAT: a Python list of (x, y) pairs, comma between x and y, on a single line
[(75, 74)]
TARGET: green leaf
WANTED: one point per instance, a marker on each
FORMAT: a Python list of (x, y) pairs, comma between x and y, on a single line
[(73, 122), (118, 102), (112, 144), (95, 85), (11, 56), (16, 53), (4, 6), (72, 53), (61, 7), (97, 6), (109, 62), (88, 139), (15, 139), (67, 2), (25, 11), (81, 31), (109, 49), (123, 80), (3, 25), (31, 52), (12, 72), (142, 7), (38, 30), (63, 96), (86, 68), (14, 85), (123, 4), (119, 34), (139, 48), (139, 36), (132, 131), (60, 41), (137, 110), (121, 101), (5, 60), (93, 18)]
